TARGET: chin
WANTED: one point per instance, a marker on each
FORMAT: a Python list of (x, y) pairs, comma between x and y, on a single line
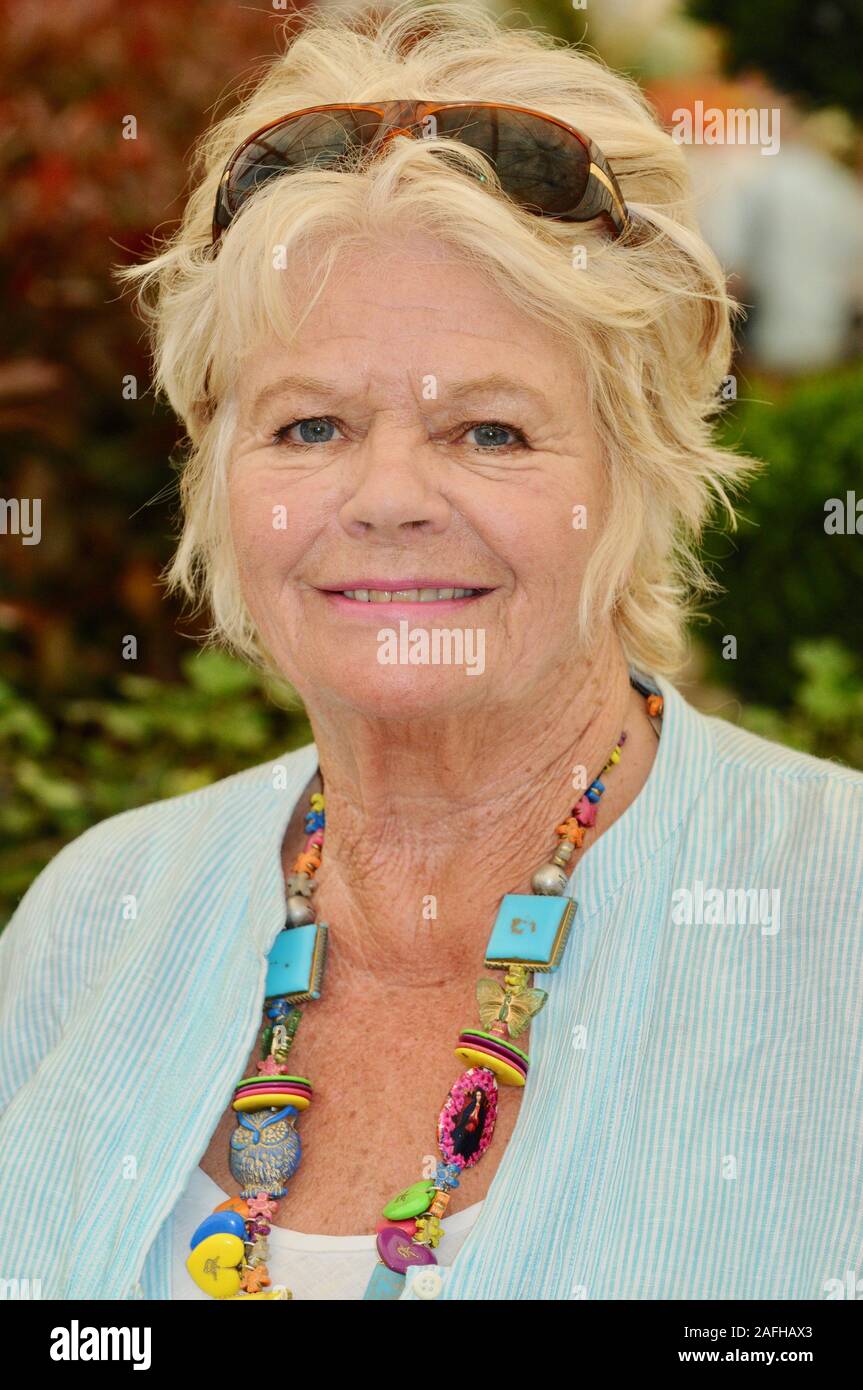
[(402, 692)]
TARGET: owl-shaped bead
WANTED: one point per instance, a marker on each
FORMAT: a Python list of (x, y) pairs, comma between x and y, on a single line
[(265, 1151)]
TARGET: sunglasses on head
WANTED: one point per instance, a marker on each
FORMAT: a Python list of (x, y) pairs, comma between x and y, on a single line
[(543, 164)]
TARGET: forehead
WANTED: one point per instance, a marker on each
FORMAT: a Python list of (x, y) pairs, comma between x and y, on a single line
[(398, 314)]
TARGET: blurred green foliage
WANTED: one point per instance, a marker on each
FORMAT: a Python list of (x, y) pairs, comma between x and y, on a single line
[(825, 715), (787, 579), (79, 426), (808, 48), (70, 762), (81, 737)]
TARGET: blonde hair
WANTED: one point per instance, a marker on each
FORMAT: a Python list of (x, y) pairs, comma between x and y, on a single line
[(648, 316)]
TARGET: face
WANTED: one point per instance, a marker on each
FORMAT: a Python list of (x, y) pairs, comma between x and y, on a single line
[(420, 436)]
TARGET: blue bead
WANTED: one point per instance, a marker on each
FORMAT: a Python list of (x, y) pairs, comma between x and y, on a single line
[(384, 1284), (228, 1223), (446, 1175), (296, 962), (530, 928)]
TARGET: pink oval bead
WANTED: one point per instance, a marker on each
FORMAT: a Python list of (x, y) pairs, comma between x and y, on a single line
[(467, 1120)]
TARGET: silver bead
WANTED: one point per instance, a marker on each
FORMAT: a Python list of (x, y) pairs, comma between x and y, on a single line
[(550, 880), (563, 853), (300, 911)]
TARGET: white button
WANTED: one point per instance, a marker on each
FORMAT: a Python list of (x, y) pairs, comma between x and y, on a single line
[(426, 1284)]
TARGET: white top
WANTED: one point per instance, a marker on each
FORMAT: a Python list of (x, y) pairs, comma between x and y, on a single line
[(322, 1267)]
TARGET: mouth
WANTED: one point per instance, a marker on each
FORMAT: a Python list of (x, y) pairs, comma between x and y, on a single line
[(401, 592), (427, 595)]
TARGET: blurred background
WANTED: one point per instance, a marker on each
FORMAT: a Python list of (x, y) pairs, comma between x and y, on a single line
[(83, 732)]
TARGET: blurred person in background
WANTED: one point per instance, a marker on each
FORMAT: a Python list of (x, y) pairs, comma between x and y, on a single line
[(788, 227)]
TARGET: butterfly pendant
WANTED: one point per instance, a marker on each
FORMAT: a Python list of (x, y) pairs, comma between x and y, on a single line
[(501, 1004)]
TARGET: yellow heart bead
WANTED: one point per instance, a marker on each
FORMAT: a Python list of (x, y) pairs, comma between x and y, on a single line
[(317, 801), (215, 1265)]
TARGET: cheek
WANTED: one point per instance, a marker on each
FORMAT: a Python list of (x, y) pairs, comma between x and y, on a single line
[(264, 529), (549, 531)]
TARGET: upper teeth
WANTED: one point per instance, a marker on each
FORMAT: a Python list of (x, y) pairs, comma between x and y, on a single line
[(406, 595)]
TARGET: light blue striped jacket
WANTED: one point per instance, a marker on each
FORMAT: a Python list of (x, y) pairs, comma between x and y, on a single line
[(692, 1122)]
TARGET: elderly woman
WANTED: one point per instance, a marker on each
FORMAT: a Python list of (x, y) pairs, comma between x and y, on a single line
[(446, 351)]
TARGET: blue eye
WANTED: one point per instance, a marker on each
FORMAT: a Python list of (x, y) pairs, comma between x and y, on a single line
[(313, 431), (492, 432), (320, 429)]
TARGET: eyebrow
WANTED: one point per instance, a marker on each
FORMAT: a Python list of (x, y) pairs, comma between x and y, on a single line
[(496, 383)]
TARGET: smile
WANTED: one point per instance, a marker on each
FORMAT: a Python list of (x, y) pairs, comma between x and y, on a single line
[(407, 595)]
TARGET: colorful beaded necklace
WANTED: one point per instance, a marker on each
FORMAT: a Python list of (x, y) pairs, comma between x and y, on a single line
[(229, 1248)]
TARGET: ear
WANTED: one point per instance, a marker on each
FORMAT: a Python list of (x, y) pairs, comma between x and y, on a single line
[(200, 415), (202, 409)]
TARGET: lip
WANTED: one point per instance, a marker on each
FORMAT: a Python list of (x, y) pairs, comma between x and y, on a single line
[(400, 607), (391, 585)]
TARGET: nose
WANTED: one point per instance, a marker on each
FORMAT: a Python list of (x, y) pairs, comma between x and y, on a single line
[(396, 491)]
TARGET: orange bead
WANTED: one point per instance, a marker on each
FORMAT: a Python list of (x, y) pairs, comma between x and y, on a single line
[(307, 862), (235, 1204), (654, 705), (571, 830), (439, 1204), (255, 1279)]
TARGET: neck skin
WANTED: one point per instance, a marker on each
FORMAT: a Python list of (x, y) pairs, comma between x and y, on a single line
[(468, 824)]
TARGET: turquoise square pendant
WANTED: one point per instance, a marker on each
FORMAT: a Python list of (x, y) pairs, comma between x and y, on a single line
[(530, 929), (296, 963)]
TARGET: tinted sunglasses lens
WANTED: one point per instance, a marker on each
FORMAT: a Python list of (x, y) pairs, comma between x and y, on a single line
[(318, 140), (539, 164)]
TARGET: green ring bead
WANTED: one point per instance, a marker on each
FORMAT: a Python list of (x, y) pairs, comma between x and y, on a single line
[(493, 1037), (264, 1076)]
